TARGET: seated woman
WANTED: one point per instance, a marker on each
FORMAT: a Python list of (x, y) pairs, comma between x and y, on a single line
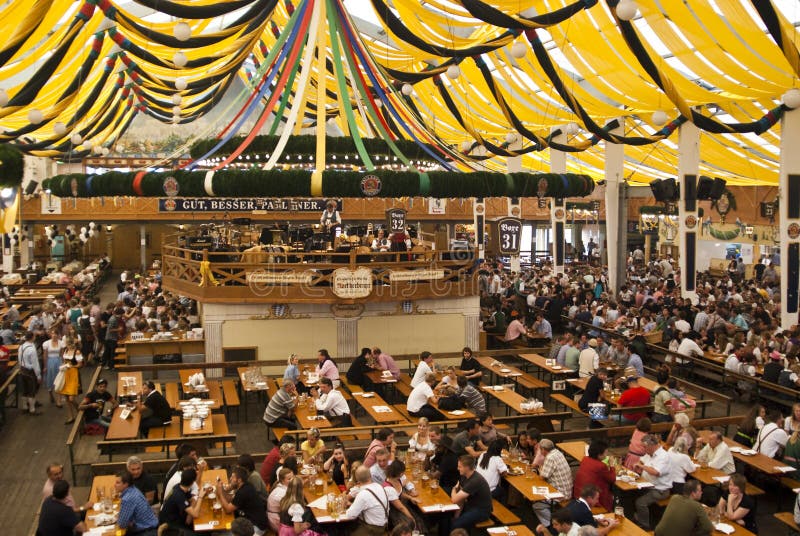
[(449, 383), (492, 467), (421, 441), (312, 448), (292, 372), (593, 470), (399, 498), (635, 446), (327, 368), (681, 464), (735, 505), (488, 432), (338, 467), (296, 518)]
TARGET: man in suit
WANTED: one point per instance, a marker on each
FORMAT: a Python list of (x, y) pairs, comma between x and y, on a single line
[(154, 407), (581, 510)]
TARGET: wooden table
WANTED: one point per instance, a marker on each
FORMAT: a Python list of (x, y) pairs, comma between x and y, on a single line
[(541, 362), (757, 461), (511, 399), (575, 449), (627, 528), (206, 512), (527, 483), (376, 376), (148, 347), (134, 383), (369, 404), (308, 418), (187, 389), (501, 369), (124, 428), (106, 483), (207, 429)]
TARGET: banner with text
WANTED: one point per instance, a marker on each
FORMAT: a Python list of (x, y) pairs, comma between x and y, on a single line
[(234, 204)]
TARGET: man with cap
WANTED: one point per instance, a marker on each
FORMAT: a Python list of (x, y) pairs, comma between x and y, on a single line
[(588, 360), (154, 408), (773, 368), (635, 395), (94, 402)]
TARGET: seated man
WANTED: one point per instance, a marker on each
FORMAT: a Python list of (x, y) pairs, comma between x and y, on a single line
[(685, 514), (656, 467), (516, 329), (280, 410), (422, 401), (634, 396), (58, 517), (331, 403), (472, 494), (472, 397), (182, 507), (94, 402), (143, 481), (154, 407), (555, 471), (581, 510)]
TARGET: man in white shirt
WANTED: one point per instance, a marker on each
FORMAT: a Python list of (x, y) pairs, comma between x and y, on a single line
[(425, 367), (371, 504), (187, 462), (681, 324), (588, 360), (772, 437), (716, 453), (332, 403), (689, 346), (422, 400), (655, 467)]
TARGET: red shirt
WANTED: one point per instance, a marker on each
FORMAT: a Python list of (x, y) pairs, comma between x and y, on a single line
[(635, 396), (268, 466), (595, 472)]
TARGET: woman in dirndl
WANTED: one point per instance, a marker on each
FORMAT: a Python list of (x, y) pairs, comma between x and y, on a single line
[(72, 361)]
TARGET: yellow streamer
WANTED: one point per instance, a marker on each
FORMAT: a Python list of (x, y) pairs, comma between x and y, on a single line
[(206, 277)]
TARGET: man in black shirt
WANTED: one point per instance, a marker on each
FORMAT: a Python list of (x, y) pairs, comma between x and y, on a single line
[(444, 462), (181, 508), (154, 407), (470, 367), (245, 502), (143, 480), (56, 518), (591, 395), (773, 369), (93, 402), (472, 494)]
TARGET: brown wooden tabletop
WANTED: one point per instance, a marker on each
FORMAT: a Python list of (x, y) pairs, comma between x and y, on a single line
[(511, 399), (207, 429), (129, 383), (124, 428), (758, 461), (304, 417), (371, 401), (541, 362), (206, 516)]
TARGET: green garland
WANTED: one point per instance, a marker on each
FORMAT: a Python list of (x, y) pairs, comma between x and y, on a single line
[(11, 166), (297, 183), (338, 146)]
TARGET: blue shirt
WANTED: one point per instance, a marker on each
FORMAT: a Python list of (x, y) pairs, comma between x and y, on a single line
[(291, 373), (135, 512), (636, 362)]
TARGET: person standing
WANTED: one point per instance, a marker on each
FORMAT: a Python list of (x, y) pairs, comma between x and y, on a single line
[(588, 359), (30, 373), (113, 332), (685, 514), (51, 353), (330, 220), (57, 518), (135, 513)]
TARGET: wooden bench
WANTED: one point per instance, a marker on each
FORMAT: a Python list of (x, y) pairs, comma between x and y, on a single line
[(171, 394), (231, 397), (531, 383), (121, 356), (214, 391), (501, 515), (567, 402), (358, 435), (161, 432), (787, 518), (402, 409)]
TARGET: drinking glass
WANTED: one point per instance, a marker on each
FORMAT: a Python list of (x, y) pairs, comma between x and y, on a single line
[(619, 513)]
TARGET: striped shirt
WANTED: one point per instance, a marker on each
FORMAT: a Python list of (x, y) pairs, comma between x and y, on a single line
[(473, 398), (279, 406)]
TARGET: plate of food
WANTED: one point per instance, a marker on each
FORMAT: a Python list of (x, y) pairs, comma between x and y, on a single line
[(556, 367), (516, 471)]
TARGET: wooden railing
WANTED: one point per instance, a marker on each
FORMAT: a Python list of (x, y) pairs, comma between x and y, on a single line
[(280, 275)]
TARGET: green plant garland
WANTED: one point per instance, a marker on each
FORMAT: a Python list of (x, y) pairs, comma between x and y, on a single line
[(11, 166), (297, 183)]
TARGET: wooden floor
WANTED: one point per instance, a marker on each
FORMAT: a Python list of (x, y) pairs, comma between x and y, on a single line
[(28, 444)]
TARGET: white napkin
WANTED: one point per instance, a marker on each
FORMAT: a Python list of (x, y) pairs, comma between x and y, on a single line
[(329, 519), (457, 412), (321, 503), (642, 485), (784, 468), (438, 508), (724, 528), (513, 374), (211, 525), (748, 452), (382, 409), (497, 530), (554, 495), (736, 449), (722, 479)]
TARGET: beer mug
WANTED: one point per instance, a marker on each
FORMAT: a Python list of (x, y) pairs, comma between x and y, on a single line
[(619, 513)]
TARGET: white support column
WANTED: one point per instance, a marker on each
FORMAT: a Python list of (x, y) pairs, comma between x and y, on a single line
[(143, 248), (688, 164), (212, 331), (472, 331), (558, 212), (614, 170), (790, 247), (514, 165), (347, 337)]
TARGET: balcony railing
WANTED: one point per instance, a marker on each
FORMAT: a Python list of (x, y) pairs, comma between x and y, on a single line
[(276, 274)]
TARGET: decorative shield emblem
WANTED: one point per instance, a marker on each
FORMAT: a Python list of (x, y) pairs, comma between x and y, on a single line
[(408, 307), (793, 230), (479, 209), (170, 204), (559, 214), (171, 186), (691, 221), (515, 211), (371, 185)]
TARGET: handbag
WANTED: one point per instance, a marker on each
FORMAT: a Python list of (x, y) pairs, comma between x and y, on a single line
[(61, 378)]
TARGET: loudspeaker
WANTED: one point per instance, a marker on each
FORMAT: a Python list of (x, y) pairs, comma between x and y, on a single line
[(665, 191), (704, 186), (717, 189), (690, 192), (31, 187)]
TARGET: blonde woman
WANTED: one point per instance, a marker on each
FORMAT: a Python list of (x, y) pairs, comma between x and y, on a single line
[(296, 518), (420, 441), (313, 448), (72, 361), (51, 350)]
